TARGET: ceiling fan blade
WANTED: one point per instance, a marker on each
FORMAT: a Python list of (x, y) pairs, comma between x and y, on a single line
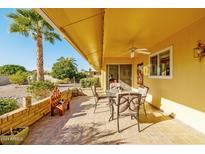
[(143, 52), (141, 49)]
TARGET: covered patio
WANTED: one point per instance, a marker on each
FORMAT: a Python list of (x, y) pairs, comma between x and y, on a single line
[(109, 40), (81, 126)]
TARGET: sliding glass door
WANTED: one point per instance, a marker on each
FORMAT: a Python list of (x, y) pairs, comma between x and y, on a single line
[(122, 73)]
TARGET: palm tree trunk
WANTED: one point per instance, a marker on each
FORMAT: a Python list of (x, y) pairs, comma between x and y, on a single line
[(40, 70)]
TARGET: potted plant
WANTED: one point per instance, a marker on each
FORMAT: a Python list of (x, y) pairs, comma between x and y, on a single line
[(14, 136)]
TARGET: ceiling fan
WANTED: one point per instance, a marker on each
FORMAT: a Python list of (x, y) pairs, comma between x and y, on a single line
[(134, 50)]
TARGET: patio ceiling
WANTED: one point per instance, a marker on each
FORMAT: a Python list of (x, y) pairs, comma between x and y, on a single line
[(82, 28), (100, 33)]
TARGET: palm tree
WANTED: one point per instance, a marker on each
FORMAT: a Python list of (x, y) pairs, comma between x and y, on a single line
[(29, 23)]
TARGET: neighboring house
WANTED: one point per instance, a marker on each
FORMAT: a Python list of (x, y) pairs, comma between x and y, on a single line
[(92, 73), (50, 78)]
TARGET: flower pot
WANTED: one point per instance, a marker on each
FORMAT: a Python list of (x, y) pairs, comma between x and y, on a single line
[(15, 136)]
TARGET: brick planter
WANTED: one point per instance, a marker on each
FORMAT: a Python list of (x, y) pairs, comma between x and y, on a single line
[(27, 115), (15, 136)]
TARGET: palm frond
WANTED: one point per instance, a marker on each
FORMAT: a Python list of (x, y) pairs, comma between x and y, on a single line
[(47, 26), (22, 21), (16, 28), (51, 36), (28, 22), (12, 15), (23, 12)]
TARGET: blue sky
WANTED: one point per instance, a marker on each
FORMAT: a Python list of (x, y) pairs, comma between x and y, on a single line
[(17, 49)]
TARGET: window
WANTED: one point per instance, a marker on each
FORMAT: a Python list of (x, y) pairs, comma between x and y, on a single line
[(120, 72), (161, 64), (153, 68)]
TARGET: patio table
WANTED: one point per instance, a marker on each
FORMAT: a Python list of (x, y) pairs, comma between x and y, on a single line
[(112, 96)]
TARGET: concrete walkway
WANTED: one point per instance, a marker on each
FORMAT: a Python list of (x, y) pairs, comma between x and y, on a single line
[(81, 126)]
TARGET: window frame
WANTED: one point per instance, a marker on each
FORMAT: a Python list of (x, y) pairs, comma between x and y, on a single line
[(170, 48)]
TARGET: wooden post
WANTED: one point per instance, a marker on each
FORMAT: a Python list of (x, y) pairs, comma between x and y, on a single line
[(27, 101)]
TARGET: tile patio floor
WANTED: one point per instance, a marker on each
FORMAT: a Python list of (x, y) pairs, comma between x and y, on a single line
[(81, 126)]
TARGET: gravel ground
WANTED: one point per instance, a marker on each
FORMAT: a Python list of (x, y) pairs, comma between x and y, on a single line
[(18, 92), (13, 91)]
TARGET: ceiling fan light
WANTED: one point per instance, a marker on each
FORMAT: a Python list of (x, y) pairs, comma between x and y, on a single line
[(132, 54)]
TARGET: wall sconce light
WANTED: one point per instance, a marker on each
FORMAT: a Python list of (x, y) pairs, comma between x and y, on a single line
[(199, 51)]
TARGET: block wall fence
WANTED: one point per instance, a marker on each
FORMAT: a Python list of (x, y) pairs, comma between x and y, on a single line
[(26, 116)]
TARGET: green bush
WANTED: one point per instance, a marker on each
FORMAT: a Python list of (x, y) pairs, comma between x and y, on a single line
[(79, 76), (32, 76), (7, 105), (11, 69), (40, 89), (76, 92), (64, 81), (18, 78), (64, 68), (88, 82)]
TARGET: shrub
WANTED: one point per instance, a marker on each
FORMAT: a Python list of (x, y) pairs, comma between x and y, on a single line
[(18, 78), (7, 105), (79, 75), (64, 68), (40, 89), (88, 82), (32, 76), (64, 81), (76, 92), (11, 69)]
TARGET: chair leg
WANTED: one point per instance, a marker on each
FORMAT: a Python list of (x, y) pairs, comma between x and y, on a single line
[(68, 105), (118, 120), (52, 111), (138, 122), (110, 106), (144, 109), (95, 107), (111, 112), (96, 103), (61, 111)]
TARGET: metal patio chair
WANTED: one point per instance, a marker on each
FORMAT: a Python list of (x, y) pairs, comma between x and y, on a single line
[(96, 96), (128, 104), (143, 90)]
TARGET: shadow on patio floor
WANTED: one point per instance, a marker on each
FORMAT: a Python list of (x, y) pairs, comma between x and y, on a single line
[(80, 125), (89, 134)]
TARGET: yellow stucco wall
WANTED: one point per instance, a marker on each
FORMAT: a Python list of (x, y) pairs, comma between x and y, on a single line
[(188, 84), (184, 94)]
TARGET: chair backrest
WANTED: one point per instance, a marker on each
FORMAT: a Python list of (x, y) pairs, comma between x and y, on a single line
[(143, 90), (122, 102), (134, 100), (127, 101), (68, 94), (55, 97)]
